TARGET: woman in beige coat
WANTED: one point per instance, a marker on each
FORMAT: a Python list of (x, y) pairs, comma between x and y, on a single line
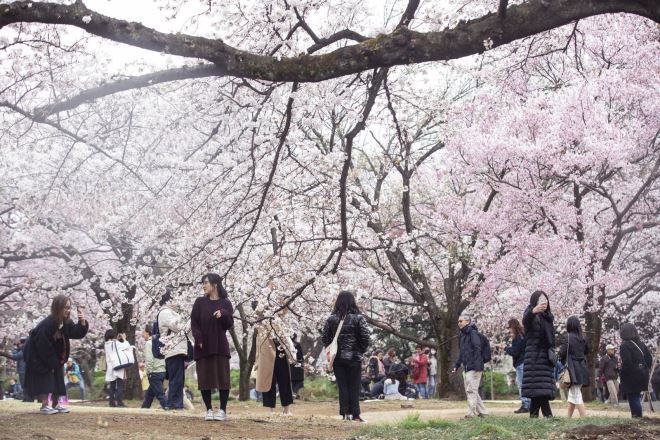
[(275, 352)]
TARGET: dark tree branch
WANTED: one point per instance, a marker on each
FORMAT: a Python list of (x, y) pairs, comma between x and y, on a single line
[(403, 46), (133, 82), (390, 329)]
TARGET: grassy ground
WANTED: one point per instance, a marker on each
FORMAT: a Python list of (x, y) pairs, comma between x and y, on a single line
[(493, 427)]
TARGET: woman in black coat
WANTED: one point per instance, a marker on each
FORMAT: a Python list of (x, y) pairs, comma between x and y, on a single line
[(572, 353), (352, 343), (636, 363), (47, 350), (538, 378)]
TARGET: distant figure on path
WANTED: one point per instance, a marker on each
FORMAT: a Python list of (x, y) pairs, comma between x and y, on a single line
[(517, 352), (608, 369), (636, 361), (74, 377), (420, 364), (298, 369), (154, 369), (118, 352), (573, 352)]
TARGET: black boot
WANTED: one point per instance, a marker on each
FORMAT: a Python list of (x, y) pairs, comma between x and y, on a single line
[(521, 410)]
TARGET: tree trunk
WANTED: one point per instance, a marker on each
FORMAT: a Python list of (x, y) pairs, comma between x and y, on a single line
[(245, 360), (244, 379), (593, 328), (449, 385)]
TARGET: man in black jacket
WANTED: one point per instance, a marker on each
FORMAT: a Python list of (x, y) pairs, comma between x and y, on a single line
[(471, 359), (609, 368)]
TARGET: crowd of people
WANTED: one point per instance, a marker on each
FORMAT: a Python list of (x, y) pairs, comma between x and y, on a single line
[(542, 365)]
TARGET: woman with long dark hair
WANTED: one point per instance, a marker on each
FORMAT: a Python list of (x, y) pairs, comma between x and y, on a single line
[(211, 317), (573, 352), (48, 349), (352, 343), (517, 352), (538, 382), (636, 361)]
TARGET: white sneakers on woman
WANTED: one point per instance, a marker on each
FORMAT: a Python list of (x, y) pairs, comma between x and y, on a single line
[(219, 415), (48, 410)]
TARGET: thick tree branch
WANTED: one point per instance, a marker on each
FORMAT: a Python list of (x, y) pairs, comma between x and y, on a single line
[(390, 329), (133, 82), (403, 46)]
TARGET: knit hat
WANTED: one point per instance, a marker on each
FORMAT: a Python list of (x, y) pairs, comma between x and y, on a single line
[(610, 347)]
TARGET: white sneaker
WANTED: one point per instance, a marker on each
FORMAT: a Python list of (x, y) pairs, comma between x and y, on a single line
[(48, 410), (62, 410), (209, 415), (220, 416)]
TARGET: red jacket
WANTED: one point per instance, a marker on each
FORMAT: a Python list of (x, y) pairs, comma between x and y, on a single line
[(420, 364)]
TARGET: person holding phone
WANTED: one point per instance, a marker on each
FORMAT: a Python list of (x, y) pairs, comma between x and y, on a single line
[(538, 382), (47, 350)]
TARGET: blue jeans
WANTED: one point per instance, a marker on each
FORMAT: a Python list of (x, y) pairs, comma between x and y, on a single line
[(155, 390), (519, 378), (176, 375), (635, 402), (421, 387), (80, 385), (430, 385)]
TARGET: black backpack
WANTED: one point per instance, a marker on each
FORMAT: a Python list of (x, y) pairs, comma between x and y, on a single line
[(485, 347), (156, 345)]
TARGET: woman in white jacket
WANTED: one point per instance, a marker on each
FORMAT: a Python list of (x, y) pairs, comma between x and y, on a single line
[(117, 353)]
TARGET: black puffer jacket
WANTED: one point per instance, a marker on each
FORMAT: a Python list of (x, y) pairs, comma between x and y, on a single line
[(538, 373), (577, 364), (353, 338), (636, 363)]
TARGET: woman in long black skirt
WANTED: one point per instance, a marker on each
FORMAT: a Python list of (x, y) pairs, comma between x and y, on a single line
[(46, 352), (212, 316)]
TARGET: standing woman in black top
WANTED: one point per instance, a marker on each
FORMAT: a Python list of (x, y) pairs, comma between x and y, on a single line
[(572, 352), (517, 351), (636, 363), (211, 317), (539, 376), (352, 343), (47, 350)]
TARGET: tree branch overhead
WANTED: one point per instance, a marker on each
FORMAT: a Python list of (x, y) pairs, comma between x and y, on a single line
[(400, 47)]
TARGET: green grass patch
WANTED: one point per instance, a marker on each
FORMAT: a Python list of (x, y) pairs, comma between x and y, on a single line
[(319, 388), (492, 427), (413, 422)]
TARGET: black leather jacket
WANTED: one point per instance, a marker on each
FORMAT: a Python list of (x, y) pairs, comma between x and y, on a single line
[(353, 339)]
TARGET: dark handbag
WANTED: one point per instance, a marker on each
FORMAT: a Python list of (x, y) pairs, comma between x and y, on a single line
[(552, 356), (191, 355)]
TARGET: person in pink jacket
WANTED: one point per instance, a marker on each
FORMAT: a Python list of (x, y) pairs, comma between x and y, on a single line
[(420, 364)]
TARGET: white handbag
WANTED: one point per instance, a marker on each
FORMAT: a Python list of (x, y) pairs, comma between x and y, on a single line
[(121, 358), (331, 350)]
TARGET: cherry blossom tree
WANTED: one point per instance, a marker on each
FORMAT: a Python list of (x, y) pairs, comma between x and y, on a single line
[(309, 150)]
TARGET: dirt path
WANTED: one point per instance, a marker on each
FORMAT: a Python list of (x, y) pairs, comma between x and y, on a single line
[(312, 420)]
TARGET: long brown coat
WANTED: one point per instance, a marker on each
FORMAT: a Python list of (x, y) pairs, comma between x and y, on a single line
[(265, 357)]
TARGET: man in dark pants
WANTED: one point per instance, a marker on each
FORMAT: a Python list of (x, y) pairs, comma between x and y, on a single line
[(172, 334), (155, 371)]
